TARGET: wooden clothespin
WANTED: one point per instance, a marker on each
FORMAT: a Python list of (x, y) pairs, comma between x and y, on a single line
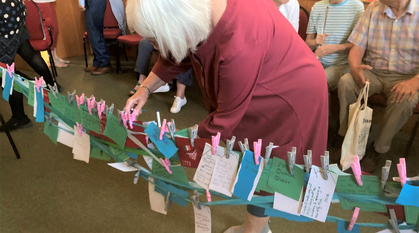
[(172, 129), (54, 90), (291, 160), (244, 146), (109, 110), (229, 146), (268, 152), (168, 202), (215, 142), (308, 161), (385, 171), (71, 97), (356, 168), (193, 134), (393, 221), (401, 167), (354, 218), (195, 199), (324, 159)]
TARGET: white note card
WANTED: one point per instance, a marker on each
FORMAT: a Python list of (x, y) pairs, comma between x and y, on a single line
[(319, 194), (65, 137), (157, 202), (123, 167), (205, 168), (202, 219), (225, 171), (288, 205), (81, 146)]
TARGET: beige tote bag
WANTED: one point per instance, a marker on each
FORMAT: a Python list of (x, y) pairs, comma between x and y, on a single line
[(359, 124)]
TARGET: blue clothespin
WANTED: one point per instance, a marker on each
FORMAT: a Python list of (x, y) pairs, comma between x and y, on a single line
[(308, 161), (193, 134), (71, 97), (229, 146), (324, 159), (384, 173)]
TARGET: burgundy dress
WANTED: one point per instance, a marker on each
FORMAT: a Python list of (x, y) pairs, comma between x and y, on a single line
[(259, 80)]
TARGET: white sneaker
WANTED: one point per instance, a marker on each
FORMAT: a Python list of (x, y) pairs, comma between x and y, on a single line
[(164, 88), (178, 104)]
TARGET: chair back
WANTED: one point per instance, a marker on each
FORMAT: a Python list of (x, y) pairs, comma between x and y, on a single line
[(110, 20), (304, 17), (34, 21)]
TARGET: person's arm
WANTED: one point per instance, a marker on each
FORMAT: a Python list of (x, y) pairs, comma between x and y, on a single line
[(406, 89), (357, 68), (333, 48), (311, 41)]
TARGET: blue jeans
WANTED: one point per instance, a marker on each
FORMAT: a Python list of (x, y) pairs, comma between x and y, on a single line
[(93, 20)]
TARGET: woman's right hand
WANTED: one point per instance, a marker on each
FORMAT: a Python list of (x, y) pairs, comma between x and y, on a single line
[(137, 101)]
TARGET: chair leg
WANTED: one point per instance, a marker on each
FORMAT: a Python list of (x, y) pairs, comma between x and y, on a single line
[(125, 51), (412, 138), (12, 143), (118, 60), (52, 63), (85, 53)]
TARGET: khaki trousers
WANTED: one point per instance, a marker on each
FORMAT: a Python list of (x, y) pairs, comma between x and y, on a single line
[(396, 114)]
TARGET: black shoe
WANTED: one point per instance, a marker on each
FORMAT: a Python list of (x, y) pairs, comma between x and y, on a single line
[(14, 124)]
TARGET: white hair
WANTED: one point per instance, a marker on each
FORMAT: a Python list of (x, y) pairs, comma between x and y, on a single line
[(178, 26)]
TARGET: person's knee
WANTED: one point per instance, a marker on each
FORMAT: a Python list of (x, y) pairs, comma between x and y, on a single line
[(346, 82)]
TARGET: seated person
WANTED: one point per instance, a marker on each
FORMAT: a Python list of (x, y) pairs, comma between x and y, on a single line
[(291, 10), (330, 43), (385, 54), (145, 50)]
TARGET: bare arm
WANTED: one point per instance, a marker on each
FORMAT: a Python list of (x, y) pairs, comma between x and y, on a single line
[(311, 41), (355, 63)]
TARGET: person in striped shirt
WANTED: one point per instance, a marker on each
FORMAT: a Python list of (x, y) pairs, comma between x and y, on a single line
[(386, 54), (330, 43)]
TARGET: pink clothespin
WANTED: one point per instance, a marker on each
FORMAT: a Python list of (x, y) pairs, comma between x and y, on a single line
[(91, 104), (100, 108), (215, 143), (132, 117), (125, 117), (401, 167), (11, 69), (208, 195), (354, 218), (257, 146), (166, 164), (356, 168), (38, 83), (79, 100), (146, 139), (80, 129), (163, 129)]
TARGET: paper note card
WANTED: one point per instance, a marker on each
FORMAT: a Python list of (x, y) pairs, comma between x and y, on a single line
[(178, 173), (165, 146), (319, 194), (118, 154), (409, 195), (343, 226), (157, 202), (118, 133), (371, 185), (281, 181), (38, 108), (190, 156), (81, 146), (371, 207), (51, 131), (247, 177), (288, 205), (263, 181), (123, 167), (205, 168), (90, 122), (96, 153), (412, 214), (202, 219), (224, 173), (65, 137)]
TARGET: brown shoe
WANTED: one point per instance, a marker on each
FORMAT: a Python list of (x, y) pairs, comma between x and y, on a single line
[(102, 70), (371, 160), (90, 69)]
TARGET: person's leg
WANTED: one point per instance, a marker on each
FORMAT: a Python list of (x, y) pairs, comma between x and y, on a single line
[(93, 17), (333, 74), (396, 114), (256, 222), (181, 81), (142, 65)]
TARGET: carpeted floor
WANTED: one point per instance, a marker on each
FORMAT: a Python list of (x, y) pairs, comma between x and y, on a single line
[(47, 191)]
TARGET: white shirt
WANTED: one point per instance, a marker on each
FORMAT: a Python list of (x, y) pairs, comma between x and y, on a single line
[(291, 11)]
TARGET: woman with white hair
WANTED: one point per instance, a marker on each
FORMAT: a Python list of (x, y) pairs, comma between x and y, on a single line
[(257, 76)]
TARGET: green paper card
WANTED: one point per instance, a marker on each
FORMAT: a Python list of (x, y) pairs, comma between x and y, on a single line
[(118, 133), (118, 154), (371, 185), (70, 111), (281, 181), (412, 214), (16, 87), (56, 102), (51, 131), (263, 181), (178, 173), (31, 95), (372, 207), (96, 153), (90, 122)]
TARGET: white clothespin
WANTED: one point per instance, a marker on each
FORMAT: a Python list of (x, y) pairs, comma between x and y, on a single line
[(324, 159), (291, 160), (71, 97), (393, 221), (268, 152), (53, 89), (308, 161), (172, 129), (244, 146), (120, 116), (384, 173), (193, 133), (229, 146), (49, 119), (109, 110), (137, 176), (168, 202), (195, 199)]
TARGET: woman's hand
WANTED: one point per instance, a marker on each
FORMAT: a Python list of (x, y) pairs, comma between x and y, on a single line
[(138, 100)]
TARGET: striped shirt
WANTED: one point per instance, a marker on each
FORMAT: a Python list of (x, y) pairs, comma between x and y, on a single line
[(341, 19), (391, 43)]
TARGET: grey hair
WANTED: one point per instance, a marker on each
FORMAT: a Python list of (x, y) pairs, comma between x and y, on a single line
[(178, 26)]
